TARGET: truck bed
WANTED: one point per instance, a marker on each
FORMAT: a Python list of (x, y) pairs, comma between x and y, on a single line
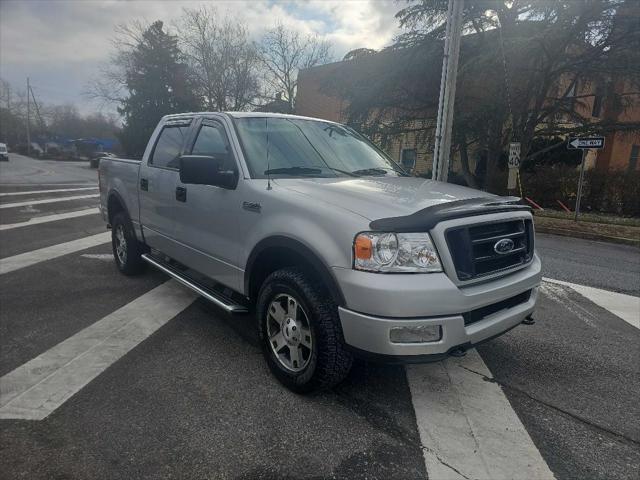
[(120, 175)]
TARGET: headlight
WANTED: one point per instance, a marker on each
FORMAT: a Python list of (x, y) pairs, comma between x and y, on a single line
[(395, 252)]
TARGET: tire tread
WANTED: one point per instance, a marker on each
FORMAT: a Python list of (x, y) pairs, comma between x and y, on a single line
[(334, 360)]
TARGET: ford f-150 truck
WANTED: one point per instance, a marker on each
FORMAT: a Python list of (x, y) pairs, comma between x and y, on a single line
[(334, 247)]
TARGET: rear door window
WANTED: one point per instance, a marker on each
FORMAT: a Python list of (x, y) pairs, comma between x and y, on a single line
[(166, 153)]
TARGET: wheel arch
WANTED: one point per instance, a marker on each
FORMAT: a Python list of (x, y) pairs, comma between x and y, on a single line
[(273, 253), (115, 204)]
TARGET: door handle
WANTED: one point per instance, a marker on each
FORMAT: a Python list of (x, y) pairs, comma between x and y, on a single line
[(144, 184), (181, 194)]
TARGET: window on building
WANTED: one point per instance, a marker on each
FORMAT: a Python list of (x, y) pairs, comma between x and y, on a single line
[(408, 158), (168, 147), (596, 111), (633, 158), (571, 95)]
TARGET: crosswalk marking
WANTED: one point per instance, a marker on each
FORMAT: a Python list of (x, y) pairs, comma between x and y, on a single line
[(467, 427), (626, 307), (16, 262), (32, 192), (76, 184), (37, 388), (47, 200), (50, 218)]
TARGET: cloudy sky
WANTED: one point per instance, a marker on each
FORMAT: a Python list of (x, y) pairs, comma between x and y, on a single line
[(60, 45)]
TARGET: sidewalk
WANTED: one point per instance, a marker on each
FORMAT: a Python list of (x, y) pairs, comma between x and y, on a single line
[(605, 232)]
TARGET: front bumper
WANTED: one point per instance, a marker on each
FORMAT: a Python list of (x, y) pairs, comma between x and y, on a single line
[(370, 334), (429, 299)]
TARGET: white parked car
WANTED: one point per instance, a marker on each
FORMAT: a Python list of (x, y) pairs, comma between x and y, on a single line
[(4, 152)]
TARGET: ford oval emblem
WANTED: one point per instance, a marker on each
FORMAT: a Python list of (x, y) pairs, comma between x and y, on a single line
[(504, 246)]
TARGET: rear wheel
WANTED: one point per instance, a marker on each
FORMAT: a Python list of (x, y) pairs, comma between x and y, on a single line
[(127, 251), (300, 332)]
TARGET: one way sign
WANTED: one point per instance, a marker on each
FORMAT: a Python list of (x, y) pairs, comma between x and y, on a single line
[(585, 143)]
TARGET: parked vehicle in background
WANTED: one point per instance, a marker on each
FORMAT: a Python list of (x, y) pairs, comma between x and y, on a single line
[(336, 249), (35, 151), (4, 153)]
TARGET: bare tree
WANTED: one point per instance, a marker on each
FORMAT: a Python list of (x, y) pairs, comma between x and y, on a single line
[(109, 86), (222, 58), (283, 53)]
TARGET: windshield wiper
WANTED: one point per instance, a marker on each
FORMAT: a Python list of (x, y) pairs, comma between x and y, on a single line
[(351, 174), (305, 171), (293, 171), (379, 171), (370, 171)]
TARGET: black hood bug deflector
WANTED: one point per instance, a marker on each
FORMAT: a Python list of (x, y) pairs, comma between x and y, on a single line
[(427, 218)]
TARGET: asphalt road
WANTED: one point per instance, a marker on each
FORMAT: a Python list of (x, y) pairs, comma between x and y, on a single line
[(596, 264), (194, 399), (24, 173)]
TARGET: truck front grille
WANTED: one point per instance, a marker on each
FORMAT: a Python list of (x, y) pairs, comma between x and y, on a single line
[(476, 253)]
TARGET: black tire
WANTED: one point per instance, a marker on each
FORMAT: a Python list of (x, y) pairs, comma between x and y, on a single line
[(329, 361), (131, 262)]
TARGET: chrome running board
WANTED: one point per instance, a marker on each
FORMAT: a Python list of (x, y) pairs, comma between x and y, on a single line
[(214, 297)]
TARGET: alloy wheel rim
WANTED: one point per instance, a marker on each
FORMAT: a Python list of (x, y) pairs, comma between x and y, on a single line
[(289, 333), (121, 245)]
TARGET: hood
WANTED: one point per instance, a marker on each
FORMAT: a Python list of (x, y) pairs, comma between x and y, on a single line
[(380, 197)]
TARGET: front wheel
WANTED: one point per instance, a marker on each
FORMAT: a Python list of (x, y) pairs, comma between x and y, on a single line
[(127, 251), (301, 333)]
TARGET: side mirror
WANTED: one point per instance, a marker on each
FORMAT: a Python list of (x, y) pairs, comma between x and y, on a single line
[(206, 170)]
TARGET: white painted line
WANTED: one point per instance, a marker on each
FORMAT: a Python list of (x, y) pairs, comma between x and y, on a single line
[(10, 264), (50, 218), (467, 426), (627, 307), (105, 257), (36, 389), (31, 192), (47, 200), (77, 184)]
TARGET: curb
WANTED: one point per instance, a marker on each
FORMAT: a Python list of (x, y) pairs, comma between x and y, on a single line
[(587, 235)]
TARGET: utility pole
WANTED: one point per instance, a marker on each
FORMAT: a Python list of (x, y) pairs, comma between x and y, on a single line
[(35, 104), (28, 119), (444, 124)]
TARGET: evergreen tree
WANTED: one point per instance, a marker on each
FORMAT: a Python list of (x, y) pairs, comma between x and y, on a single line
[(158, 82)]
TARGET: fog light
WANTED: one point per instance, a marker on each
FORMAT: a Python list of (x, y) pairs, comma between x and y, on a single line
[(417, 334)]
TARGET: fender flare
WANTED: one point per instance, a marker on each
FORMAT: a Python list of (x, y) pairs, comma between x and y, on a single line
[(114, 193), (304, 251)]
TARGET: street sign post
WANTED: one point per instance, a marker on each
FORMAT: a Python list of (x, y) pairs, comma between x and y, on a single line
[(584, 144)]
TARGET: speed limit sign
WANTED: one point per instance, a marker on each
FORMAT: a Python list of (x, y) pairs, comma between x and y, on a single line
[(514, 155), (514, 165)]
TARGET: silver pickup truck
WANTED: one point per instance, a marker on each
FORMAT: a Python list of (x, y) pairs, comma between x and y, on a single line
[(335, 249)]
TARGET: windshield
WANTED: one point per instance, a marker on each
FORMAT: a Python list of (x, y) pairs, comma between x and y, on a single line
[(3, 148), (291, 147)]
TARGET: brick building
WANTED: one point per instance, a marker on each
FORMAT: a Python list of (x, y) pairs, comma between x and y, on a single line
[(413, 146)]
